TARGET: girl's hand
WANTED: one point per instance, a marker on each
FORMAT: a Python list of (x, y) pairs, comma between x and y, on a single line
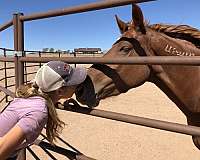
[(70, 103)]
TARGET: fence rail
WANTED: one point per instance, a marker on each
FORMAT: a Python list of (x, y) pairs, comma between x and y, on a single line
[(156, 60), (157, 124), (6, 25), (81, 9), (153, 60)]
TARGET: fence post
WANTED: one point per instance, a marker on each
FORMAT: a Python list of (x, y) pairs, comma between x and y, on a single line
[(74, 53), (19, 66), (5, 72), (15, 30), (16, 72), (19, 44), (22, 153)]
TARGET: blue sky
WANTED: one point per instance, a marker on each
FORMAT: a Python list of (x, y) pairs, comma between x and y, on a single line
[(91, 29)]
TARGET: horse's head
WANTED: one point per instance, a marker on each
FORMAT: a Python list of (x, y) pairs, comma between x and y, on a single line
[(109, 80)]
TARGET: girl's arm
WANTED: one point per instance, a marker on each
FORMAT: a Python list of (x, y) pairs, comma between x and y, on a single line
[(10, 141)]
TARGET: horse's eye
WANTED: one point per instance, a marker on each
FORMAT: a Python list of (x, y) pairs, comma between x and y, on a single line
[(125, 49)]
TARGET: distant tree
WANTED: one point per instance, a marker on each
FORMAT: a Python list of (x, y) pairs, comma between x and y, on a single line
[(68, 51), (51, 50), (45, 49), (59, 50)]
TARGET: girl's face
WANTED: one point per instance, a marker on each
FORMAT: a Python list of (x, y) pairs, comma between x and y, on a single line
[(66, 92)]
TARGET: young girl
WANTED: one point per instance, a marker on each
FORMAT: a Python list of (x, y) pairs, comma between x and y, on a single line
[(34, 107)]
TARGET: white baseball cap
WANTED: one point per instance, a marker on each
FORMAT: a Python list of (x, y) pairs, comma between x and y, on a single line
[(56, 74)]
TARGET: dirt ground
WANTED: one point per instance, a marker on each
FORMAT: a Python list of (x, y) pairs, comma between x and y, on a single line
[(104, 139)]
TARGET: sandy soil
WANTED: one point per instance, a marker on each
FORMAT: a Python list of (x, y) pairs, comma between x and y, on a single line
[(111, 140)]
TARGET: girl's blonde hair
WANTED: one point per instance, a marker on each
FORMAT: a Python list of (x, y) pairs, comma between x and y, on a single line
[(54, 124)]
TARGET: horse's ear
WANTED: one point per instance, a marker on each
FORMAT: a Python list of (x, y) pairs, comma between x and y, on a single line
[(138, 18), (123, 27)]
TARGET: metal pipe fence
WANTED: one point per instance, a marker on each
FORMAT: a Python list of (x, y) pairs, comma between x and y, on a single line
[(169, 60), (163, 60), (20, 75)]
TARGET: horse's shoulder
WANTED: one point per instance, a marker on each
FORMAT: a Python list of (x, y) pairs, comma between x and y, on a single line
[(184, 32)]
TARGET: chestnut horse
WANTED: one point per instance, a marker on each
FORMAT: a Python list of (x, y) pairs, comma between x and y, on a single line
[(180, 83)]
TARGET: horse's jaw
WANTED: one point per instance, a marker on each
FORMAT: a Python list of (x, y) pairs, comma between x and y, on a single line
[(108, 91), (104, 88)]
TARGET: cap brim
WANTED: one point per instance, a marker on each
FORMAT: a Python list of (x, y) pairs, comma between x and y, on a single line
[(78, 76)]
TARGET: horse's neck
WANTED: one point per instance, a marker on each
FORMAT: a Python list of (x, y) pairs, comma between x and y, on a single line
[(180, 83), (164, 45), (184, 91)]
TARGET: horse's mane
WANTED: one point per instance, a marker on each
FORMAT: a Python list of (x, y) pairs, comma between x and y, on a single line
[(184, 32)]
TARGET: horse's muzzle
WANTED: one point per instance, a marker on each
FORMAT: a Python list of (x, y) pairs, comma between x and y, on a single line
[(85, 93)]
